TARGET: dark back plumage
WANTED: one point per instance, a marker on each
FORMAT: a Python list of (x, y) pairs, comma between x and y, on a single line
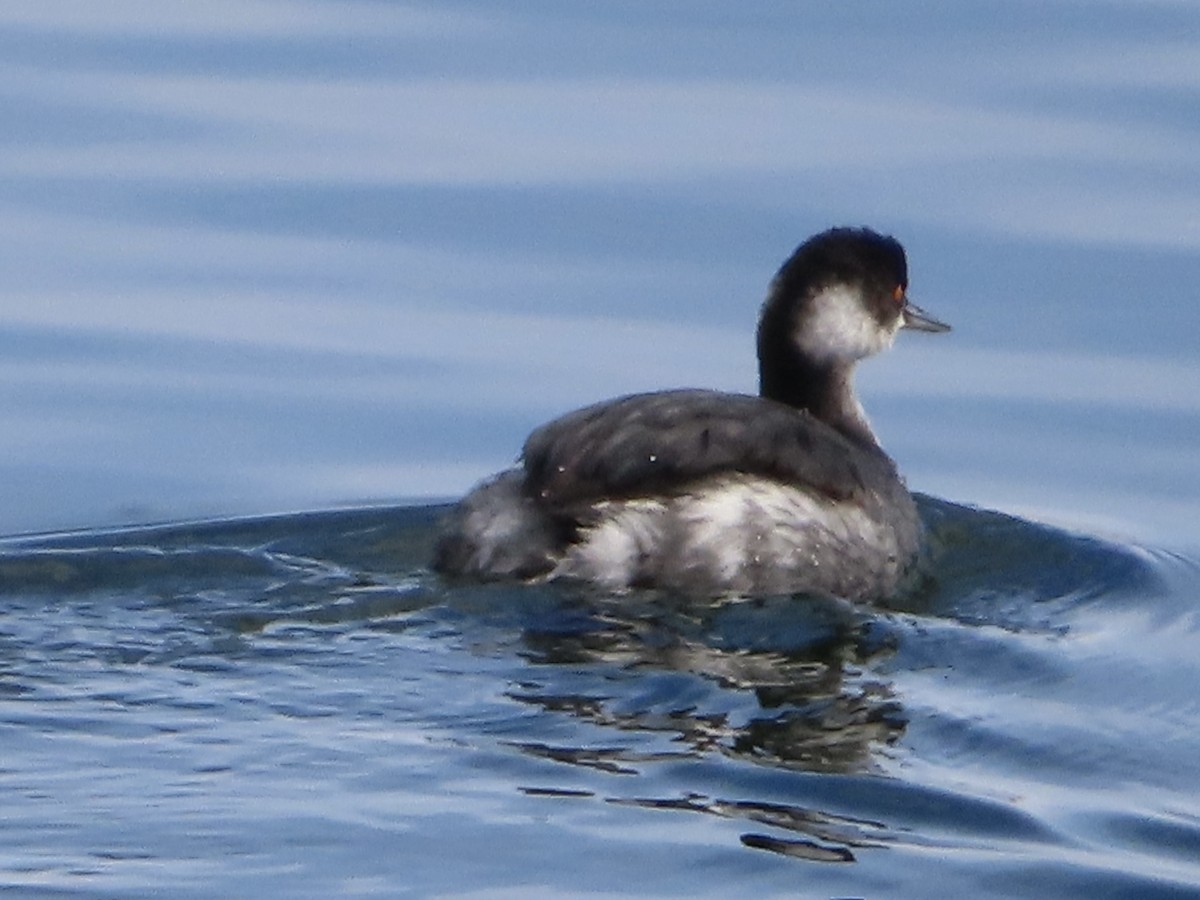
[(647, 444)]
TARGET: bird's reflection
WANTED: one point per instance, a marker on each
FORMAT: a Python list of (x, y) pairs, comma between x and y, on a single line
[(785, 686), (795, 663)]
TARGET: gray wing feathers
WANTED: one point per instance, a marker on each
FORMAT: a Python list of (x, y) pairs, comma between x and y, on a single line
[(649, 443)]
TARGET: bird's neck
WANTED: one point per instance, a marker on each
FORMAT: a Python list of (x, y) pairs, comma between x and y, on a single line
[(826, 391)]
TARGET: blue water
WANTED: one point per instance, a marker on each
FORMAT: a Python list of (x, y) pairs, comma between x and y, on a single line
[(296, 706), (296, 272)]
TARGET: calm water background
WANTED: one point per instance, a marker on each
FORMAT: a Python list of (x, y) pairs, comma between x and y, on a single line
[(265, 257)]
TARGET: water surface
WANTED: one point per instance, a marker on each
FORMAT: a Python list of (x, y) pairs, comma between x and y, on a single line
[(296, 705), (272, 266), (281, 255)]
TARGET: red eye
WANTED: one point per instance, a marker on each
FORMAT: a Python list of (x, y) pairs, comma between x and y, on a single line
[(898, 295)]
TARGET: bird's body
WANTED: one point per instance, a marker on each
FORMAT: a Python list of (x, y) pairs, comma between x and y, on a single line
[(714, 493)]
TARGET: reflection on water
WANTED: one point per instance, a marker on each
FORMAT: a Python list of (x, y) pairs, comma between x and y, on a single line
[(841, 833), (800, 662)]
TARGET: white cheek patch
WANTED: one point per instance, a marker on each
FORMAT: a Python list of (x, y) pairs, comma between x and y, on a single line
[(839, 328)]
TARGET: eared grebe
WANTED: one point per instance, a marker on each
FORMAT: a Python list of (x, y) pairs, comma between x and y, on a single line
[(712, 493)]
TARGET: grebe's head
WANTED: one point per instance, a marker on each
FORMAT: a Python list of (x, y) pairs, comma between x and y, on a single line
[(842, 296)]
